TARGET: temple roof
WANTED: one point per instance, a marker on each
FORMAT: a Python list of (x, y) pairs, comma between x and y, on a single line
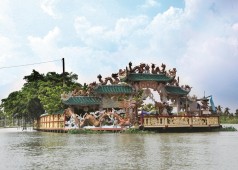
[(176, 90), (148, 77), (83, 100), (114, 89)]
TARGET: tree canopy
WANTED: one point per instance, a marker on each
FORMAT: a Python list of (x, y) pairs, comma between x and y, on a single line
[(40, 94)]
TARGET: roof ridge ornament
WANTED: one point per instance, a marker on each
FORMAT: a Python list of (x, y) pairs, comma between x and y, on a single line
[(66, 96)]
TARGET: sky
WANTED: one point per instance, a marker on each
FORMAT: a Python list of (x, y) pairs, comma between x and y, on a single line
[(197, 37)]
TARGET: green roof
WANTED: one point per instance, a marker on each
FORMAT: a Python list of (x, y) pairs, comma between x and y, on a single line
[(114, 89), (175, 90), (148, 77), (82, 100)]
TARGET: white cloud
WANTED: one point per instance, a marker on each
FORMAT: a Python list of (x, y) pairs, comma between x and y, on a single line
[(81, 25), (235, 27), (7, 55), (7, 25), (177, 37), (45, 47), (100, 37), (48, 6), (150, 3), (210, 65), (6, 48), (127, 26), (210, 55), (200, 40), (90, 35)]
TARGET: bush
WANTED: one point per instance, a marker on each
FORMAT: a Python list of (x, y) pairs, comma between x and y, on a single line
[(229, 119), (83, 131), (230, 128)]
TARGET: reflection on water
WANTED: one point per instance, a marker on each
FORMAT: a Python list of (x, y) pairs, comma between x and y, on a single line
[(41, 150)]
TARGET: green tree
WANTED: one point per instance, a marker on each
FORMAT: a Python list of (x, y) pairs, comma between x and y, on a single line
[(40, 93), (34, 76), (15, 104), (1, 112), (35, 108), (49, 96)]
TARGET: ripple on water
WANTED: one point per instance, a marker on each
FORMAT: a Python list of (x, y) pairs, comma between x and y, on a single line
[(41, 150)]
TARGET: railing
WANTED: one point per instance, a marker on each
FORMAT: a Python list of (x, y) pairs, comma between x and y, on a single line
[(15, 122), (56, 121), (180, 121)]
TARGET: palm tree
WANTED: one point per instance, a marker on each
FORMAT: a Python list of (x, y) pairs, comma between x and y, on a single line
[(219, 109), (226, 112), (236, 112)]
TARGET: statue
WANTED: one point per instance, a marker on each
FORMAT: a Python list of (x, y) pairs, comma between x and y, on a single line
[(91, 87), (90, 119), (160, 106), (172, 72), (122, 73), (116, 79), (187, 88), (65, 96), (163, 68), (155, 70), (73, 120), (105, 81), (147, 69), (139, 69), (174, 82), (79, 91)]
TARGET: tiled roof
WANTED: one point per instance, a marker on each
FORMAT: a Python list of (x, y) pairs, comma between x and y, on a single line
[(175, 90), (83, 100), (148, 77), (113, 89)]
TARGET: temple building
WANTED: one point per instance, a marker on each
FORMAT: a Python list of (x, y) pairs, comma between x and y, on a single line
[(119, 99)]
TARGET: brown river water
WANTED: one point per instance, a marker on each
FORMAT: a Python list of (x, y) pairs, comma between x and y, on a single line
[(176, 151)]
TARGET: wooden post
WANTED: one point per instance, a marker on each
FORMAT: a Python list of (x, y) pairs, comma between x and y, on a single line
[(63, 71), (178, 105)]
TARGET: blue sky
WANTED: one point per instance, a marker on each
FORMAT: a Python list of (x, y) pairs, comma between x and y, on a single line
[(199, 38)]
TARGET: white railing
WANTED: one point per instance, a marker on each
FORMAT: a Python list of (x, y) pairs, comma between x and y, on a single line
[(180, 121)]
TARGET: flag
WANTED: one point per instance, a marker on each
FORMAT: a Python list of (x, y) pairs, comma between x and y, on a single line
[(212, 104)]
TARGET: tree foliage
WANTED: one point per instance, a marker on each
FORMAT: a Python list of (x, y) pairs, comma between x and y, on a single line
[(14, 104), (40, 94)]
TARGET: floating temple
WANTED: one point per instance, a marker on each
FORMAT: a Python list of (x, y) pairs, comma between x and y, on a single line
[(118, 102)]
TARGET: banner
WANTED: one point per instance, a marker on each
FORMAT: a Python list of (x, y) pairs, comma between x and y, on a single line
[(212, 104)]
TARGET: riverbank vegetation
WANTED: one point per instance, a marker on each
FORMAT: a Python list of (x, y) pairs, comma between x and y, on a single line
[(228, 119), (228, 129), (40, 94), (85, 131), (137, 131)]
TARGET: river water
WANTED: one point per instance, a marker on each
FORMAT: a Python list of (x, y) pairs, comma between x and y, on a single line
[(41, 150)]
